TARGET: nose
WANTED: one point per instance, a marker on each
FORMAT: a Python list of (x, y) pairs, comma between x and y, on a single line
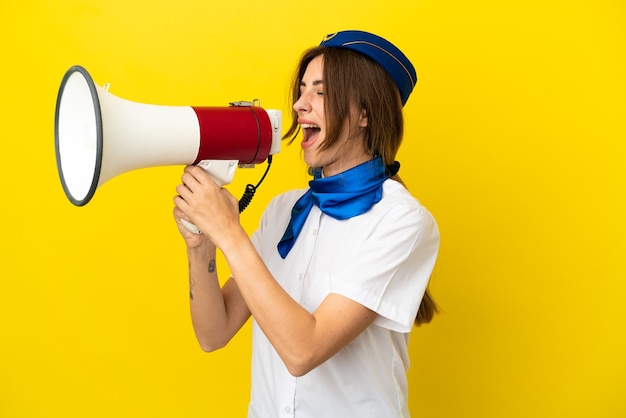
[(302, 104)]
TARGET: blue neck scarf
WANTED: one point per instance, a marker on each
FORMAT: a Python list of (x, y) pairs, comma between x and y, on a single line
[(342, 196)]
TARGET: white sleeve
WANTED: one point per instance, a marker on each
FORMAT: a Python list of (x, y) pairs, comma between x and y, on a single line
[(388, 272)]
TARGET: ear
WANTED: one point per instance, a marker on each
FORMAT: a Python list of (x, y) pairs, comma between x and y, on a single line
[(363, 119)]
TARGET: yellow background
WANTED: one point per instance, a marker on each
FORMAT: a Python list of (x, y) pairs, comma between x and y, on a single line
[(514, 140)]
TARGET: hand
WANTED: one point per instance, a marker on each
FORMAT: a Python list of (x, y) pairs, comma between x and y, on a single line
[(191, 239), (202, 202)]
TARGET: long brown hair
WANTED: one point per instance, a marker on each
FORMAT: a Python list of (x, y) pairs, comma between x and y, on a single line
[(352, 79)]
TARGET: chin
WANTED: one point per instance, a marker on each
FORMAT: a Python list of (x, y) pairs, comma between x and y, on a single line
[(310, 160)]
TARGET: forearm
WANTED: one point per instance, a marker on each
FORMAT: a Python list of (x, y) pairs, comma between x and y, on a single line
[(290, 328), (209, 311)]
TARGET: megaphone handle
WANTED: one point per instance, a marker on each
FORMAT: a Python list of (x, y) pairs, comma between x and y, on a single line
[(222, 173), (191, 227)]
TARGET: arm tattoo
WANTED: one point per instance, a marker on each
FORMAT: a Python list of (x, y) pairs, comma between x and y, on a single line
[(192, 281)]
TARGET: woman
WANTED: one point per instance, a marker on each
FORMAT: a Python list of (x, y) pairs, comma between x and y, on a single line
[(334, 275)]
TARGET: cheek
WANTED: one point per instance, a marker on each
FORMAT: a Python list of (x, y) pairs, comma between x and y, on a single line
[(320, 111)]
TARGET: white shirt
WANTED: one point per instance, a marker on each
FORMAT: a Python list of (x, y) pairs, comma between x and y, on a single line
[(383, 260)]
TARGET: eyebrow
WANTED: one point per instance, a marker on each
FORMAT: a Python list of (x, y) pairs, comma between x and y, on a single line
[(315, 83)]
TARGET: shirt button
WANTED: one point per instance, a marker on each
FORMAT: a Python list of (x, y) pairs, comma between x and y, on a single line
[(314, 232), (288, 410)]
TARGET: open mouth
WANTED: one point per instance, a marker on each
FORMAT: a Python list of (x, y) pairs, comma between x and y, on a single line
[(309, 132)]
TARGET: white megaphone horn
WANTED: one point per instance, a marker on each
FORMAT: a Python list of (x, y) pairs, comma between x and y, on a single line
[(99, 136)]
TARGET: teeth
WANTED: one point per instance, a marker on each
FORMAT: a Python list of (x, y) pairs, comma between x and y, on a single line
[(307, 126)]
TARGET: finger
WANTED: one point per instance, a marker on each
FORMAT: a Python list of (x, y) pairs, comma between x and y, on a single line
[(198, 174), (180, 215), (181, 204), (184, 192), (189, 181)]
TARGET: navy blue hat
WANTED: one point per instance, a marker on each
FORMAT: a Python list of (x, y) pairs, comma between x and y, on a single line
[(380, 50)]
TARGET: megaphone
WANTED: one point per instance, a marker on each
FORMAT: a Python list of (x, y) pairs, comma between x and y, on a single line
[(99, 136)]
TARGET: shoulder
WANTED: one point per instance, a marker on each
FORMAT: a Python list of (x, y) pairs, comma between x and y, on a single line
[(395, 192), (398, 204)]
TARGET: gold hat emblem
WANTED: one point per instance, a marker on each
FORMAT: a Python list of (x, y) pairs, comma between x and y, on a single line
[(329, 37)]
